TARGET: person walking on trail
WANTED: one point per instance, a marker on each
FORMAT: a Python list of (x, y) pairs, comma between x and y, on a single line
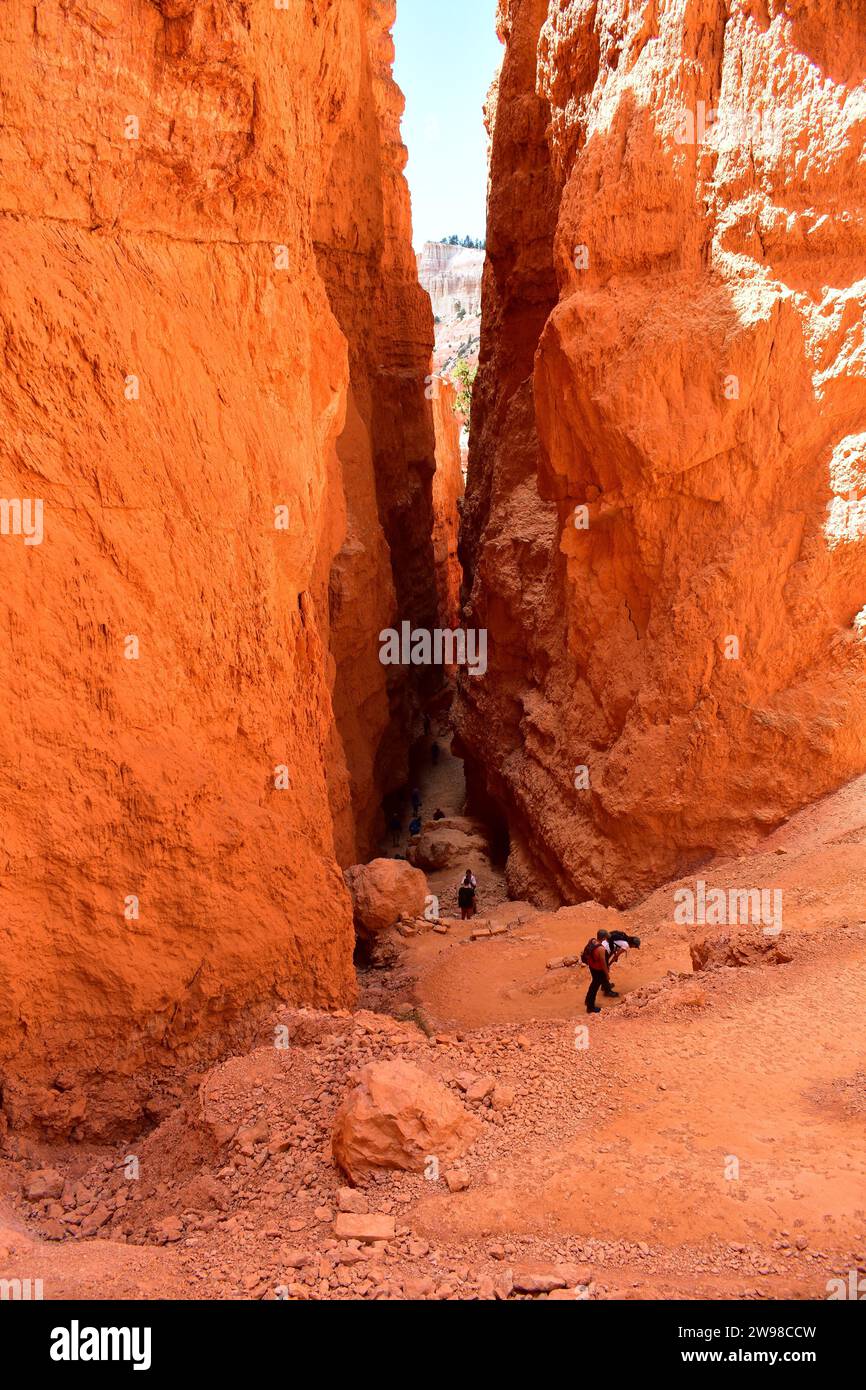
[(466, 895), (434, 754), (395, 825), (416, 800), (595, 956), (415, 825)]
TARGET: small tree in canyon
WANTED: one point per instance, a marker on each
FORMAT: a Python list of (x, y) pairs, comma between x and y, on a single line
[(464, 374)]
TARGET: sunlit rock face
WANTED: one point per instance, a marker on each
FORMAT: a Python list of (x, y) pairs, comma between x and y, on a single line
[(665, 528), (214, 382)]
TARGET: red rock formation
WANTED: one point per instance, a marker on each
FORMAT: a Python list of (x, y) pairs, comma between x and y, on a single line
[(215, 352), (447, 497), (384, 568), (382, 892), (399, 1116), (674, 340)]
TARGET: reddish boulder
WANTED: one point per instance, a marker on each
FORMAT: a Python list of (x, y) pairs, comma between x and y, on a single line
[(44, 1183), (383, 891), (736, 949), (398, 1116)]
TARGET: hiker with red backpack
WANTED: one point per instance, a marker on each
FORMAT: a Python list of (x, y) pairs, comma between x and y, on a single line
[(614, 945), (595, 957)]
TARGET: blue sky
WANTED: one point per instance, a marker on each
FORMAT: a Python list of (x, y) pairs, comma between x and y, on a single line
[(447, 56)]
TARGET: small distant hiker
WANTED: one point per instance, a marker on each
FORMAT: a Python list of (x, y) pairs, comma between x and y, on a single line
[(415, 825), (426, 725), (466, 895), (434, 754), (438, 814), (595, 956), (416, 800), (395, 825)]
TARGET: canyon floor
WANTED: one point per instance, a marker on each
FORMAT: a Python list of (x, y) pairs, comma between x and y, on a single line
[(700, 1138)]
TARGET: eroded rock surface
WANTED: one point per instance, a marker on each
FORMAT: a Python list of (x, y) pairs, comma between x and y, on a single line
[(664, 526), (214, 380), (448, 489), (739, 948)]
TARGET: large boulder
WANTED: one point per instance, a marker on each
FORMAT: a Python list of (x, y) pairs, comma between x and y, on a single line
[(738, 949), (383, 891), (454, 842), (399, 1116)]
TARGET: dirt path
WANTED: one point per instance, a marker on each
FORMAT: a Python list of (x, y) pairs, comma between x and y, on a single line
[(702, 1136), (719, 1114), (442, 786), (693, 1117)]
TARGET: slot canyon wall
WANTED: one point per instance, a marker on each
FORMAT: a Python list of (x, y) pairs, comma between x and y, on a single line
[(673, 340), (215, 351), (398, 501), (448, 489)]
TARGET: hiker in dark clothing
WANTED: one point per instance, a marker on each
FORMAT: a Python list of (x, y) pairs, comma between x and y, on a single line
[(426, 725), (466, 895), (434, 754), (416, 800), (415, 825), (395, 825), (596, 958), (438, 814)]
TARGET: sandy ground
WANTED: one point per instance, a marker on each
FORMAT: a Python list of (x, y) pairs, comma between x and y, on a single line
[(701, 1137)]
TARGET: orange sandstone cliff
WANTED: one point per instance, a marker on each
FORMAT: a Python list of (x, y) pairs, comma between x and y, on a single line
[(388, 447), (665, 527), (448, 491), (215, 353)]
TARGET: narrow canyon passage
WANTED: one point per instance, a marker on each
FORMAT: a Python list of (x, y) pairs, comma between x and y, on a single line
[(249, 1048)]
